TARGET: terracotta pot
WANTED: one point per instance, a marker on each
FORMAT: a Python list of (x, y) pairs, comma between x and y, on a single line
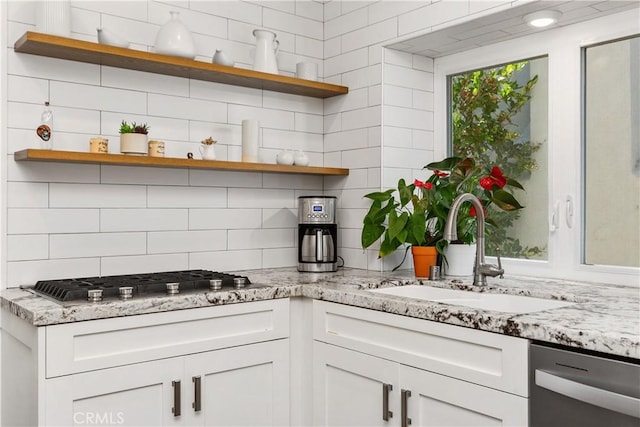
[(423, 258)]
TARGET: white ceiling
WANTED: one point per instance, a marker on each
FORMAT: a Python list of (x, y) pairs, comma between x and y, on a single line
[(507, 25)]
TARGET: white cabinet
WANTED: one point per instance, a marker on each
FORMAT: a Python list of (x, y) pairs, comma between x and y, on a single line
[(203, 366), (373, 368)]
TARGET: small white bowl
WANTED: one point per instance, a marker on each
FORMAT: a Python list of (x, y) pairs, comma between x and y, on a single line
[(108, 37)]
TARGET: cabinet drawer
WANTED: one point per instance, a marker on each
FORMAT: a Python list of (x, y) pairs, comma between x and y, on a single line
[(480, 357), (97, 344)]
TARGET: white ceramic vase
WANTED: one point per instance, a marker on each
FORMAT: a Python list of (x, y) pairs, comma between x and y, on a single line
[(207, 152), (266, 50), (54, 17), (300, 158), (460, 259), (221, 58), (284, 157), (134, 144), (174, 38)]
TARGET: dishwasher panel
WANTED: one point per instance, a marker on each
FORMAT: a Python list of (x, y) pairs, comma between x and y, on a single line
[(575, 389)]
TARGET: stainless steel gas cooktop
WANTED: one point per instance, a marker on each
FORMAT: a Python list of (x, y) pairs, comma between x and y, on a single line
[(132, 285)]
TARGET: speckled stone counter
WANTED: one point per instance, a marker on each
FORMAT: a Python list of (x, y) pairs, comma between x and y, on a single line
[(604, 318)]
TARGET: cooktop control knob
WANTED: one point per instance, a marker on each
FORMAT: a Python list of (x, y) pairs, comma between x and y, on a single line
[(238, 282), (126, 292), (94, 295), (215, 284), (173, 288)]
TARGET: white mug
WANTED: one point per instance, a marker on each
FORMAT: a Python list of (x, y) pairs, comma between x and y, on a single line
[(307, 70)]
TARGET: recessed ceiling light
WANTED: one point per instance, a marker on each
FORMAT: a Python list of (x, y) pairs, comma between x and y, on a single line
[(543, 18)]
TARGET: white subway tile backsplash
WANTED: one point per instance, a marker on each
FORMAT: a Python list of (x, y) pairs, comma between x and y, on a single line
[(43, 221), (381, 10), (27, 116), (312, 123), (363, 77), (135, 264), (144, 82), (225, 93), (239, 11), (96, 244), (224, 178), (408, 77), (370, 35), (346, 22), (432, 14), (292, 24), (196, 21), (292, 140), (354, 258), (186, 241), (187, 108), (357, 178), (50, 68), (137, 175), (396, 57), (310, 47), (347, 140), (279, 218), (332, 9), (27, 195), (260, 198), (398, 96), (358, 98), (27, 89), (96, 196), (345, 62), (397, 137), (286, 101), (361, 158), (353, 198), (189, 197), (29, 272), (26, 247), (275, 119), (261, 238), (422, 139), (404, 157), (119, 220), (224, 219), (422, 100), (98, 98), (280, 257), (310, 9), (52, 172), (302, 182), (408, 117), (365, 117), (227, 260), (332, 47), (423, 63)]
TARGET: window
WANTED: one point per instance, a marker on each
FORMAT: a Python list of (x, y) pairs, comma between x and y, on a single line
[(498, 116), (612, 153), (582, 199)]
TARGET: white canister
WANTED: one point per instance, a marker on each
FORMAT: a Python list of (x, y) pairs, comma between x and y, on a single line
[(54, 17), (250, 140), (307, 70)]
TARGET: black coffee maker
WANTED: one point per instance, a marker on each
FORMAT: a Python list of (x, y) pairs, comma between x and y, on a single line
[(317, 234)]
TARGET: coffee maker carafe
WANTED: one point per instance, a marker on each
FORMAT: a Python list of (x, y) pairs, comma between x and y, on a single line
[(317, 234)]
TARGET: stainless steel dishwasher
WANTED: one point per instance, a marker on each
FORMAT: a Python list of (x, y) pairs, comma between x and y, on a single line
[(568, 388)]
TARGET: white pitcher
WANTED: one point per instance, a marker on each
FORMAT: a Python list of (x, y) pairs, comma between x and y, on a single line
[(266, 49)]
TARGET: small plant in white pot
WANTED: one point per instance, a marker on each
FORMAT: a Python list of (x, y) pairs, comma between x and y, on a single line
[(133, 138)]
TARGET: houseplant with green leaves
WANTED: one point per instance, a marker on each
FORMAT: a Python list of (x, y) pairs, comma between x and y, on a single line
[(415, 214)]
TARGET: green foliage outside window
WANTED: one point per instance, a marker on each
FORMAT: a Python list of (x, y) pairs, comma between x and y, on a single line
[(484, 106)]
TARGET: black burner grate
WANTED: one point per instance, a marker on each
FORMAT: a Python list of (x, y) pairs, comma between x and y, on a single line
[(152, 283)]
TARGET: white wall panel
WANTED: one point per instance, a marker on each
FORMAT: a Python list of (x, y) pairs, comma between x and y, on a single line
[(143, 219), (42, 221), (96, 244), (186, 241)]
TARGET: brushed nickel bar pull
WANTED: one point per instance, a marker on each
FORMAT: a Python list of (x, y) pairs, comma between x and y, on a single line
[(405, 421), (176, 399), (386, 413), (197, 397)]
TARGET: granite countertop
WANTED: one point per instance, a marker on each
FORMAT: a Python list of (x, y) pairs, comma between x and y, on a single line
[(604, 318)]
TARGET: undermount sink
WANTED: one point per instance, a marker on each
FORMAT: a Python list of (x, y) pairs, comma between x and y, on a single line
[(485, 301)]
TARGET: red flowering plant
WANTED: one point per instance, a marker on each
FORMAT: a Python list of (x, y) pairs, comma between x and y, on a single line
[(418, 216), (454, 176)]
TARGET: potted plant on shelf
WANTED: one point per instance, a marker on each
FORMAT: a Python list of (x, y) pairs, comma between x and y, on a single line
[(417, 219), (133, 138)]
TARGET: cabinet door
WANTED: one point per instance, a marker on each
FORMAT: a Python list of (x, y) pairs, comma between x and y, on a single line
[(349, 388), (133, 395), (240, 386), (438, 400)]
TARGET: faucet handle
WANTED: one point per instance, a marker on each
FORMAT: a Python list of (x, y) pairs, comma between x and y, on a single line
[(499, 262)]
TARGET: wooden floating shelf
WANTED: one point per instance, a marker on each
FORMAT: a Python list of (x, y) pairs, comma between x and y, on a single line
[(166, 162), (96, 53)]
